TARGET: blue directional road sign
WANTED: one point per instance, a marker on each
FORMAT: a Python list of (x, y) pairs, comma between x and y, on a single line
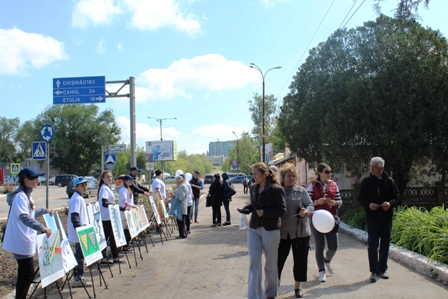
[(39, 150), (81, 90), (110, 159), (47, 132)]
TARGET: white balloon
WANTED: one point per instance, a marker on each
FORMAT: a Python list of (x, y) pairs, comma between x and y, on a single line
[(188, 177), (323, 221), (179, 172)]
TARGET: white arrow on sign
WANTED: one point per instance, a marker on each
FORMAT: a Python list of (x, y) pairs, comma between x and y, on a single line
[(58, 83), (99, 99), (58, 92)]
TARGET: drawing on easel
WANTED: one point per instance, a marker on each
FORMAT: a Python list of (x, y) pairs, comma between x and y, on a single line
[(143, 217), (154, 210), (68, 257), (89, 244), (49, 253), (117, 226), (160, 204), (94, 213), (131, 224)]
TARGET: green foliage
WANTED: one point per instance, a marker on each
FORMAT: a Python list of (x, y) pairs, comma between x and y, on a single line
[(80, 131), (379, 89), (355, 218), (247, 153), (7, 189), (423, 232), (406, 9), (270, 116), (8, 132)]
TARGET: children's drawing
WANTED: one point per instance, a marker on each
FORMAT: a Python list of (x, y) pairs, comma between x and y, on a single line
[(68, 258), (50, 258), (93, 211), (117, 226), (89, 244), (154, 210)]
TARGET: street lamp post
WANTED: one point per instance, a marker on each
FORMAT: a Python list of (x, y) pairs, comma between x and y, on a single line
[(237, 154), (263, 75), (160, 120)]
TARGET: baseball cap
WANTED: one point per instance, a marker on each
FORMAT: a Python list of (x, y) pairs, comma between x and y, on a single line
[(179, 178), (128, 177), (30, 173), (79, 180), (134, 168)]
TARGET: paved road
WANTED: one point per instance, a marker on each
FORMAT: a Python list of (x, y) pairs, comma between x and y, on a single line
[(213, 263)]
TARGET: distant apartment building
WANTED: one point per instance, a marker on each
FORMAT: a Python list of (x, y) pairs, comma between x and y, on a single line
[(216, 160), (218, 148)]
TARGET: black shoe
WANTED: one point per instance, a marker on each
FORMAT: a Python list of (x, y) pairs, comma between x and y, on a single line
[(384, 275), (227, 223), (373, 277), (299, 293), (180, 237), (218, 224)]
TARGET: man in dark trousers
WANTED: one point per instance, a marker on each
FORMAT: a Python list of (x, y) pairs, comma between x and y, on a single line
[(136, 188), (378, 195), (196, 185)]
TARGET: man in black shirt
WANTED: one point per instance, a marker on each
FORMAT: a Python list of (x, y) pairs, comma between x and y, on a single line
[(137, 188)]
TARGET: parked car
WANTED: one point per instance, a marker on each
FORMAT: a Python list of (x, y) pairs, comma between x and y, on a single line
[(42, 180), (51, 180), (63, 179), (237, 180), (208, 179), (92, 189)]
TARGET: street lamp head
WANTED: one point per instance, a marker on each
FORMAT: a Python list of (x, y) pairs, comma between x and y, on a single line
[(277, 67)]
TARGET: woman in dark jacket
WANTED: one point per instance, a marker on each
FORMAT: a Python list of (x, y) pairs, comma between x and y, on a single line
[(267, 205), (226, 200), (217, 194)]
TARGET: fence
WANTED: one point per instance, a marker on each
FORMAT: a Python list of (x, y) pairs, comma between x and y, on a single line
[(413, 196)]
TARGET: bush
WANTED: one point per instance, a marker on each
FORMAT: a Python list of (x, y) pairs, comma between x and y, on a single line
[(7, 189), (355, 218), (423, 232)]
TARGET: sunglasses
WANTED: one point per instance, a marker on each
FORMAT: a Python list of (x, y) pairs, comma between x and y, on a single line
[(328, 171)]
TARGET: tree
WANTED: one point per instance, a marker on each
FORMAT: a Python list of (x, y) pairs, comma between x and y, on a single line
[(80, 131), (25, 136), (406, 9), (248, 154), (270, 117), (380, 89), (8, 132)]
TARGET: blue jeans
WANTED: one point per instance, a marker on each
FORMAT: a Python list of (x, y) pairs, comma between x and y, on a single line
[(378, 229), (226, 204), (196, 209), (80, 259), (258, 241)]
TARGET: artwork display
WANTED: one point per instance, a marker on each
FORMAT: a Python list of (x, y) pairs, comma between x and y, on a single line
[(94, 214), (160, 206), (49, 253), (89, 244), (154, 209), (143, 217), (131, 224), (68, 257), (117, 226)]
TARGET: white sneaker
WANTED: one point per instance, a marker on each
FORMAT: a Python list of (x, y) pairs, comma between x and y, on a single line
[(329, 267), (78, 284), (322, 276)]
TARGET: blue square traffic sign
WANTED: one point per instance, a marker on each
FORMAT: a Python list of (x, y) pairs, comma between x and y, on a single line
[(39, 150)]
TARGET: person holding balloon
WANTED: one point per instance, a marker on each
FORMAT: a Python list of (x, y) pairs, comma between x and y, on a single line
[(295, 231), (267, 205), (326, 197)]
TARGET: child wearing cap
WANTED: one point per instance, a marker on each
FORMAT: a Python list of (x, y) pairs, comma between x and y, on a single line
[(22, 227), (126, 202), (77, 217)]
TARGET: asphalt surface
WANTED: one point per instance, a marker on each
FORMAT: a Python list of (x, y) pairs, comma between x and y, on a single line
[(213, 263)]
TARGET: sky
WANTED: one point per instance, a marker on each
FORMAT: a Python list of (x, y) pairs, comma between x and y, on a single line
[(190, 58)]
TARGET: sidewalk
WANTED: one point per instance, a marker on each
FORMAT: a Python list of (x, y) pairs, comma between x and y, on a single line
[(213, 263)]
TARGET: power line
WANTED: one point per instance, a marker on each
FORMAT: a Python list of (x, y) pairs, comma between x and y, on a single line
[(355, 12), (354, 3), (315, 32)]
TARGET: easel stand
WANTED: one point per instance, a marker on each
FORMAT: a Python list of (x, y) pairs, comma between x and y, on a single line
[(45, 289)]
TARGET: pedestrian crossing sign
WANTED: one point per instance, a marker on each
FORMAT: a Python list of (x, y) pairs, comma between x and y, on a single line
[(39, 150), (15, 168), (110, 159)]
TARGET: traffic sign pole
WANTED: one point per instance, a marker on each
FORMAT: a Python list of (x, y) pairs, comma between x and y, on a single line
[(48, 174)]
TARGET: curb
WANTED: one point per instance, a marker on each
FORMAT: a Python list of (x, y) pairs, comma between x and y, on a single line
[(418, 262)]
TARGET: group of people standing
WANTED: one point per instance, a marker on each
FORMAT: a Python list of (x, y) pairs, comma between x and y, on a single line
[(218, 192), (281, 221)]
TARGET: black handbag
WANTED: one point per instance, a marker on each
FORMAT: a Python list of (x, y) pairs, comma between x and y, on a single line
[(208, 200)]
